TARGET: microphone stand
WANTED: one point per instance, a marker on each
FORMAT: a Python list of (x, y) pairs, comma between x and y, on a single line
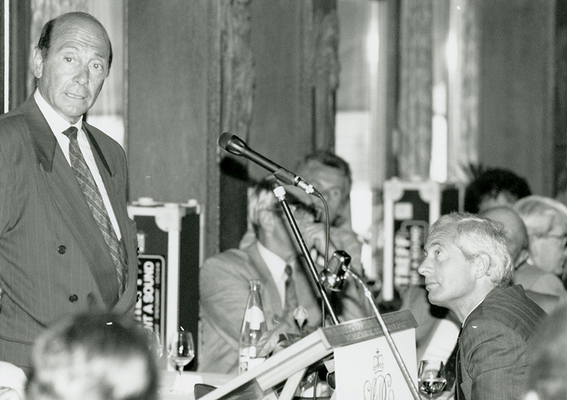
[(279, 192), (387, 335)]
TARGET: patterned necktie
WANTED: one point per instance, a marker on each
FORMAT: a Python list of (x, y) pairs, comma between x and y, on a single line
[(96, 204), (291, 302), (451, 367), (459, 395)]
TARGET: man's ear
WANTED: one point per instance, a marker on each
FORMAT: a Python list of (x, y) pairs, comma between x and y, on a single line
[(521, 258), (481, 265), (37, 62)]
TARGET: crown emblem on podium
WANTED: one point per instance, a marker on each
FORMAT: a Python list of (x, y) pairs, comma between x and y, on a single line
[(378, 362)]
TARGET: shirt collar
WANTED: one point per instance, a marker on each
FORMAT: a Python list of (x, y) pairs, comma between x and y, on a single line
[(55, 121), (474, 308), (275, 263)]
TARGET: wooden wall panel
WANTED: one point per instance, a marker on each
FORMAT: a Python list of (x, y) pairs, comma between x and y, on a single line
[(281, 125), (167, 129), (516, 88)]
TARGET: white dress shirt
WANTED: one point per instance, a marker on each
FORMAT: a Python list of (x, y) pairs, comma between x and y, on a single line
[(276, 265), (58, 124)]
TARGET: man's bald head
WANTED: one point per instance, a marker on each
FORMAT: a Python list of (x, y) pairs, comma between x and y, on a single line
[(516, 232)]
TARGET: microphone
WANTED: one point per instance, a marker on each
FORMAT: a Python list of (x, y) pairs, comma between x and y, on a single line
[(233, 144), (333, 277)]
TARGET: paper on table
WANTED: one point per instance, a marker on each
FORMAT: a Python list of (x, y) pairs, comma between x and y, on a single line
[(186, 383)]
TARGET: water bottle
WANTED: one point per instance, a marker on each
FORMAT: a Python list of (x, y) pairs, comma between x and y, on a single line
[(253, 327)]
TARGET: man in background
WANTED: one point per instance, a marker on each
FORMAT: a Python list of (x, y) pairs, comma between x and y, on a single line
[(66, 242), (332, 177), (546, 222), (543, 287), (273, 258), (494, 187), (468, 269)]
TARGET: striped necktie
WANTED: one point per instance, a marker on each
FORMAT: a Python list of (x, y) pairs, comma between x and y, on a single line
[(96, 204), (291, 302)]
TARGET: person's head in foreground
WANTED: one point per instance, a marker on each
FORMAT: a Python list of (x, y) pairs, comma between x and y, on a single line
[(466, 256), (93, 357), (547, 373)]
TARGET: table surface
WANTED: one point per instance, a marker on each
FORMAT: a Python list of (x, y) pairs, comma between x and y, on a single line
[(170, 381)]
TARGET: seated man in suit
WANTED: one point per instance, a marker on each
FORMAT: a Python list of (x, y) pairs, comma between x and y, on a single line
[(224, 281), (541, 286), (468, 269), (547, 373), (93, 356), (332, 177)]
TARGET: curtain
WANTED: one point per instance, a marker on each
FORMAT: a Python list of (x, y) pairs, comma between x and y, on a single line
[(413, 137)]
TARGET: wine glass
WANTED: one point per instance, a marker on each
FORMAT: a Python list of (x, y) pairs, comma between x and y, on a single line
[(154, 342), (181, 349), (431, 377)]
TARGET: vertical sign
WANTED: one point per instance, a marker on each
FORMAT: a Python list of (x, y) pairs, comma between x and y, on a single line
[(151, 282)]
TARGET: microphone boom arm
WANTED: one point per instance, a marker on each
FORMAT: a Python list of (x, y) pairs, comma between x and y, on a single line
[(279, 192)]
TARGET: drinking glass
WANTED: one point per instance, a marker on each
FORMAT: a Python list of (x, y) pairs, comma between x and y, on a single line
[(181, 349), (154, 342), (431, 377)]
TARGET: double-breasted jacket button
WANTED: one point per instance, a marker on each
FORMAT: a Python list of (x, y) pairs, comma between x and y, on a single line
[(61, 249), (73, 298)]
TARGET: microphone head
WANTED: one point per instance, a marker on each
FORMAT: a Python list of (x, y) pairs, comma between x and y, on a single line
[(334, 276), (232, 143)]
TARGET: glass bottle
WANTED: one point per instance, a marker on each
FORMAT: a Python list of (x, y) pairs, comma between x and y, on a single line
[(253, 327)]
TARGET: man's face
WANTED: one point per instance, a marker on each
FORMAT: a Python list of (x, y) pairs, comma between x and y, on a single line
[(448, 274), (549, 250), (331, 183), (282, 232), (72, 74)]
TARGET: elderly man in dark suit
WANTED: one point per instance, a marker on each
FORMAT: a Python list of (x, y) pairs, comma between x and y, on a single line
[(66, 242), (468, 269)]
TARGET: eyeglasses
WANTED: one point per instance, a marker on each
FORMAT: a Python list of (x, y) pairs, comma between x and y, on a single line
[(302, 210), (562, 237)]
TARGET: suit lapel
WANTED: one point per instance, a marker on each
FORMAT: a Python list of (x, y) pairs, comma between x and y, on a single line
[(67, 196), (270, 292)]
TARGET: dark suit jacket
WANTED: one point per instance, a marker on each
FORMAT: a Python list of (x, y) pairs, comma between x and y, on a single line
[(494, 342), (53, 259)]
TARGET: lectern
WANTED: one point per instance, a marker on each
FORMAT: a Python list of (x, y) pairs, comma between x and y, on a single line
[(364, 362)]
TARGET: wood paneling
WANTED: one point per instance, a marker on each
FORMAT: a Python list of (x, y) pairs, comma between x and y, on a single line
[(172, 104), (516, 88)]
